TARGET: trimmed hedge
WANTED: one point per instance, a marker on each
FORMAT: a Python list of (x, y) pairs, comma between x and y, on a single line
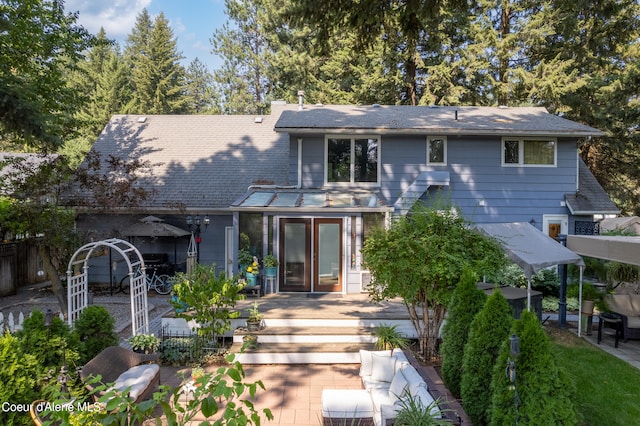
[(542, 389), (488, 330), (466, 302)]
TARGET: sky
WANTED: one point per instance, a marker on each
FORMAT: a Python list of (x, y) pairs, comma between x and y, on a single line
[(192, 21)]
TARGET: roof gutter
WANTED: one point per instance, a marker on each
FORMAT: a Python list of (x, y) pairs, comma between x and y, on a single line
[(436, 130)]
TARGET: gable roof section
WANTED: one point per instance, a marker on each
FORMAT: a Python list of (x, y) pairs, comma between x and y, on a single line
[(449, 120), (590, 198), (198, 162)]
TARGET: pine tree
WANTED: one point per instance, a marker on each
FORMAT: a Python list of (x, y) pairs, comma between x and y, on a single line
[(242, 43), (467, 300), (157, 78), (202, 98), (542, 391), (489, 329)]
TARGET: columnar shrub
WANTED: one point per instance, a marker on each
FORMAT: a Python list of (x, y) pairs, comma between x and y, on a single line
[(95, 328), (466, 302), (542, 390), (488, 331)]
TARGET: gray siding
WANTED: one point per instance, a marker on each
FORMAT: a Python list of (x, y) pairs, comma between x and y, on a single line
[(474, 164)]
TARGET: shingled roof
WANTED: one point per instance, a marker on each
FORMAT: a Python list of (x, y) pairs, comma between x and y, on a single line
[(198, 162), (590, 198), (447, 120)]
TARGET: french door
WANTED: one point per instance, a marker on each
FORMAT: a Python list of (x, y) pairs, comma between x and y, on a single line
[(311, 255)]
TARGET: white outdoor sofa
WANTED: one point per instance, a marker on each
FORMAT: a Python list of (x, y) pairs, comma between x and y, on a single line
[(386, 379)]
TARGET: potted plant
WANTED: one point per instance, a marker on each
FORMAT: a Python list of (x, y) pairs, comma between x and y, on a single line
[(270, 263), (197, 373), (252, 271), (250, 341), (255, 318), (245, 258), (144, 343), (388, 338)]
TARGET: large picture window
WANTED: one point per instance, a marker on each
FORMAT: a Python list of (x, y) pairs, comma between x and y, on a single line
[(529, 152), (352, 160)]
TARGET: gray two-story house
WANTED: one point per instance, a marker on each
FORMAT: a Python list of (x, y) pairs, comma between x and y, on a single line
[(307, 183)]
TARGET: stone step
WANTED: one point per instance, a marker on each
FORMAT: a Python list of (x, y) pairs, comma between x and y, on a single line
[(300, 353), (348, 335)]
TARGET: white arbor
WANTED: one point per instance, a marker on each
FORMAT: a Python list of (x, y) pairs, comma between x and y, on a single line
[(78, 286)]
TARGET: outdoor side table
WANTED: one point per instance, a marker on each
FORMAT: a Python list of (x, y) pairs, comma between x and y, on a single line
[(612, 320)]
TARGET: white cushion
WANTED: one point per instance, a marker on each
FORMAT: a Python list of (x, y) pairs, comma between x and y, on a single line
[(136, 379), (380, 397), (414, 379), (366, 361), (383, 368), (398, 386), (369, 384), (346, 403), (399, 354)]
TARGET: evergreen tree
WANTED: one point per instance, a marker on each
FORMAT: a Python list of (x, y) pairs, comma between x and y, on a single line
[(157, 78), (39, 45), (242, 44), (466, 301), (542, 391), (202, 98), (489, 329)]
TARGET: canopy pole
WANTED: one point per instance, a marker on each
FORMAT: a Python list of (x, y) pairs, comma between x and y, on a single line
[(529, 294), (580, 304)]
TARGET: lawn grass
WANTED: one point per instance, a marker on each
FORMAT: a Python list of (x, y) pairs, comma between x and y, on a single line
[(607, 388)]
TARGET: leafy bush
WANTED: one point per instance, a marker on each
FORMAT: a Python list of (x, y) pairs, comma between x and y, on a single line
[(542, 389), (212, 299), (49, 345), (466, 302), (489, 329), (545, 281), (18, 375), (95, 328)]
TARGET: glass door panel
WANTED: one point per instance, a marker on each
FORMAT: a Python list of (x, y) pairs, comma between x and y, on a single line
[(295, 246), (328, 255)]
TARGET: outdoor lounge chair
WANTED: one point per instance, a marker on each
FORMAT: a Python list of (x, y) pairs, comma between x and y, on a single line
[(125, 369)]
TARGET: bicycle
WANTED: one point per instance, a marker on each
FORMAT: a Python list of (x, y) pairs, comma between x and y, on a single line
[(162, 283)]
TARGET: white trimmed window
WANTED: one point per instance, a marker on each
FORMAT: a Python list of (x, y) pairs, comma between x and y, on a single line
[(352, 159), (437, 150), (540, 152)]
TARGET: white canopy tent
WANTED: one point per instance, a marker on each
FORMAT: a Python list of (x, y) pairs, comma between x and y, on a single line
[(532, 250), (616, 248)]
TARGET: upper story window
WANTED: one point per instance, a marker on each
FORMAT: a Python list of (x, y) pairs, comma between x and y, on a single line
[(437, 150), (529, 152), (352, 159)]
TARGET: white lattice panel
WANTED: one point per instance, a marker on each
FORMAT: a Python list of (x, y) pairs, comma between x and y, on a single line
[(77, 295)]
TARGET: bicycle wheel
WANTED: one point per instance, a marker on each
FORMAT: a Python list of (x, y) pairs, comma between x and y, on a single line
[(125, 284), (162, 284)]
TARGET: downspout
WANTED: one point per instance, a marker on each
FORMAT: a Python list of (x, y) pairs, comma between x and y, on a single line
[(299, 184)]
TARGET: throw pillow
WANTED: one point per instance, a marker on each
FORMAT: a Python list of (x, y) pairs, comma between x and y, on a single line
[(366, 361), (382, 368)]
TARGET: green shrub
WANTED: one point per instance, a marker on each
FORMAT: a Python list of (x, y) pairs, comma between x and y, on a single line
[(49, 345), (95, 328), (542, 388), (212, 299), (18, 375), (488, 330), (466, 302), (545, 281)]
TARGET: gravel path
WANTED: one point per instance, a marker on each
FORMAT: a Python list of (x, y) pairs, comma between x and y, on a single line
[(40, 297)]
